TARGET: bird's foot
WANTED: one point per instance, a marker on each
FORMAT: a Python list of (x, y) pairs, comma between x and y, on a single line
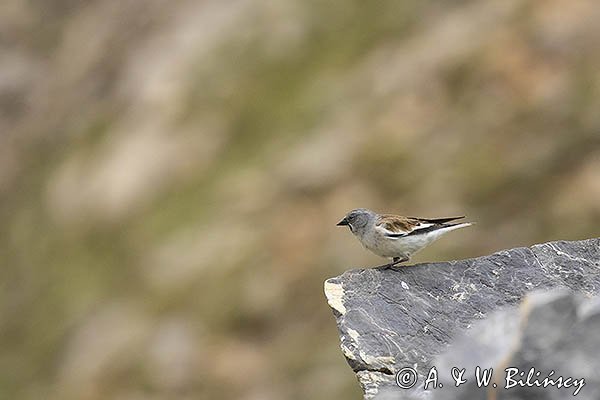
[(395, 261)]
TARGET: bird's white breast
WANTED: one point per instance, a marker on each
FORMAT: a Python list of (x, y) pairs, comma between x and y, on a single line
[(398, 247)]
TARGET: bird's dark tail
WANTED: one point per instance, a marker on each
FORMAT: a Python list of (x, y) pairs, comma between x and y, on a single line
[(440, 220)]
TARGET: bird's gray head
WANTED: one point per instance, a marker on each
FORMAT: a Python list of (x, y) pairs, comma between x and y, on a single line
[(357, 220)]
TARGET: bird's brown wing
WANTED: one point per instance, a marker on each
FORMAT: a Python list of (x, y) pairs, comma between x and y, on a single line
[(395, 226)]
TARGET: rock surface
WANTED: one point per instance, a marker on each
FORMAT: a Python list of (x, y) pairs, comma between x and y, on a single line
[(406, 317), (552, 331)]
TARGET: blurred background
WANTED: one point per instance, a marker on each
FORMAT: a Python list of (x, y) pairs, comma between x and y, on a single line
[(171, 173)]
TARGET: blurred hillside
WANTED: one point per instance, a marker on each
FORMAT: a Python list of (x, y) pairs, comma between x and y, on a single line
[(171, 173)]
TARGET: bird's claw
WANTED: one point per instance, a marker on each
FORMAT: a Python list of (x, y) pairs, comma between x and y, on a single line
[(395, 261)]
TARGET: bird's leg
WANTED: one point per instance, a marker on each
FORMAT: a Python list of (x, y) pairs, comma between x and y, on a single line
[(399, 260), (395, 261)]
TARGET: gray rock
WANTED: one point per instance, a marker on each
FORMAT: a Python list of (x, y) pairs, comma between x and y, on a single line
[(556, 333), (391, 319)]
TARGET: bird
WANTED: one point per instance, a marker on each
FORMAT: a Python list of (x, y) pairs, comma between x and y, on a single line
[(395, 236)]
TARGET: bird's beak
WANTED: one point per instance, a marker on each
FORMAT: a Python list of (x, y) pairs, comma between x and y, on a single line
[(343, 222)]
